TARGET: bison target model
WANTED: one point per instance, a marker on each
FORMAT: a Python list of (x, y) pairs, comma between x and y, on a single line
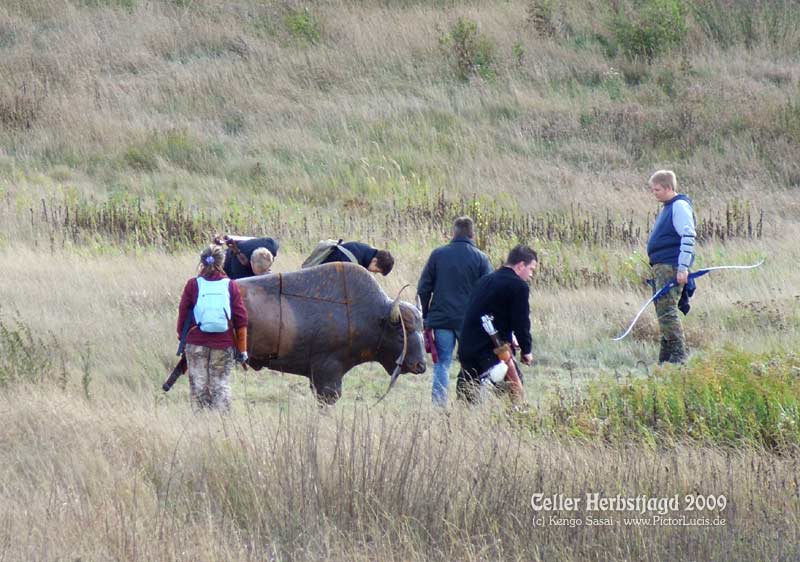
[(323, 321)]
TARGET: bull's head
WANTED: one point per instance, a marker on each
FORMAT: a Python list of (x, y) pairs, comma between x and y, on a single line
[(402, 350), (404, 337)]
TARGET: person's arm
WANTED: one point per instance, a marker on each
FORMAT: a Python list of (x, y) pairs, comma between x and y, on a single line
[(425, 285), (486, 267), (188, 298), (683, 222), (239, 320), (521, 319)]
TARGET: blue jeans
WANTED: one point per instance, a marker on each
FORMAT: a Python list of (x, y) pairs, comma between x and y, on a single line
[(445, 341)]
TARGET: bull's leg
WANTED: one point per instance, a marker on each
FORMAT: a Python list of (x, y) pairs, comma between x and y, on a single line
[(326, 383)]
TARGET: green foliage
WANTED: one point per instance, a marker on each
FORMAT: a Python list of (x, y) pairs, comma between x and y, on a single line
[(128, 5), (304, 26), (635, 269), (652, 30), (728, 398), (24, 355), (518, 52), (471, 53), (789, 117), (86, 368), (614, 84), (540, 16), (233, 123), (175, 146), (741, 22)]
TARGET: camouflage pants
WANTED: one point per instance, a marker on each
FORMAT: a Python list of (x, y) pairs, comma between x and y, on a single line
[(209, 372), (673, 344)]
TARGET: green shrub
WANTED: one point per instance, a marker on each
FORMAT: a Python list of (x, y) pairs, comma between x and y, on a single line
[(471, 52), (653, 29), (729, 398), (304, 26), (518, 52), (540, 16), (24, 355)]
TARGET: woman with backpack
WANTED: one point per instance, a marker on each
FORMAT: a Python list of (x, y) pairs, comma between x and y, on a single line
[(212, 306)]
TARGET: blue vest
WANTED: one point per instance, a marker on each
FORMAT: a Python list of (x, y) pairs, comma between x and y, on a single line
[(213, 308), (664, 244)]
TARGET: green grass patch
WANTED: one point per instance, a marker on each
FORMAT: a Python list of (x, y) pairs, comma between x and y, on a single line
[(730, 397), (26, 356), (176, 147), (304, 26)]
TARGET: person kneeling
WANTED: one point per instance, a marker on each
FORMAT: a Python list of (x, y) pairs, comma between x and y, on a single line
[(502, 298)]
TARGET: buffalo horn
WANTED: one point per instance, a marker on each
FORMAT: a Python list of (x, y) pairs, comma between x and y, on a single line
[(394, 315), (395, 374)]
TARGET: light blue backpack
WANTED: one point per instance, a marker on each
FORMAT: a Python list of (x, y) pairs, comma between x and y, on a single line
[(213, 308)]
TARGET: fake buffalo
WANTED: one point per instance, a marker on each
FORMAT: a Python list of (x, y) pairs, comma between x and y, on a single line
[(323, 321)]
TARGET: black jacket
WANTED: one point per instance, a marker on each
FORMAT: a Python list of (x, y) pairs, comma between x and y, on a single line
[(362, 252), (447, 281), (505, 296), (234, 269)]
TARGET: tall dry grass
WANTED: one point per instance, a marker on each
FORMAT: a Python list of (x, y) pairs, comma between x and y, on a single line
[(125, 479), (271, 102)]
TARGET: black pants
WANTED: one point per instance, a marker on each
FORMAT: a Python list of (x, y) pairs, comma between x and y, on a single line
[(468, 382)]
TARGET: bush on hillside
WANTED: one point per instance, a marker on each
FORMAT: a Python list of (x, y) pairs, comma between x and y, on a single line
[(304, 26), (470, 52), (24, 355), (655, 27)]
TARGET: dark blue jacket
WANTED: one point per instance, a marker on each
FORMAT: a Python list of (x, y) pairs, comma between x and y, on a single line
[(234, 269), (447, 281), (362, 252), (664, 244), (505, 296)]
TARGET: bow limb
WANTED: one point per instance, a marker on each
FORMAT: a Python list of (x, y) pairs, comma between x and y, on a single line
[(668, 286), (705, 270), (655, 296)]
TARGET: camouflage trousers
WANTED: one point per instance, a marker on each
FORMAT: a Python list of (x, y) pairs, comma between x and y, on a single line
[(209, 373), (673, 343)]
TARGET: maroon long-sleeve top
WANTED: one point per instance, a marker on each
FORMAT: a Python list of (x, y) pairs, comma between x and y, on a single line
[(221, 340)]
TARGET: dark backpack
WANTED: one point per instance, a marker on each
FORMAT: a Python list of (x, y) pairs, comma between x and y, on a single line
[(322, 250)]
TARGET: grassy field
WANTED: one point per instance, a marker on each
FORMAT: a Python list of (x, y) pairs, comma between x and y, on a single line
[(131, 131)]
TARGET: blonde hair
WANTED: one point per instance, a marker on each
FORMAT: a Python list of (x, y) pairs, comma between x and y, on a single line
[(261, 259), (665, 178), (211, 260)]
